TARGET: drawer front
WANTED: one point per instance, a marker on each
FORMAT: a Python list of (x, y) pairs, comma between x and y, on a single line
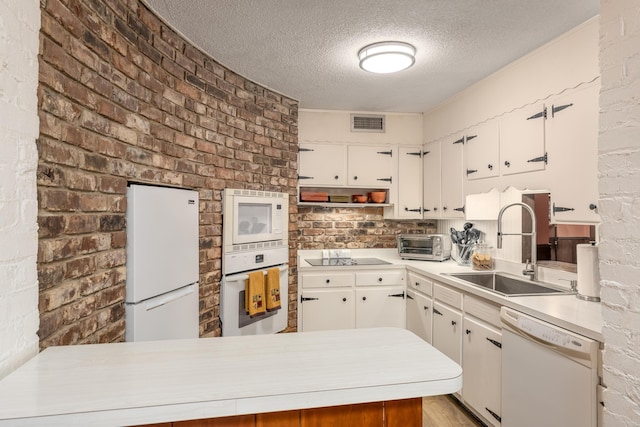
[(447, 296), (380, 277), (327, 280), (483, 310), (420, 283)]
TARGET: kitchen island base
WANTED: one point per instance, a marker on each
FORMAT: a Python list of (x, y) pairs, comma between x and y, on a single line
[(393, 413)]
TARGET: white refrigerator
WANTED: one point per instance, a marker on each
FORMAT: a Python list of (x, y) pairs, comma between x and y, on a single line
[(162, 263)]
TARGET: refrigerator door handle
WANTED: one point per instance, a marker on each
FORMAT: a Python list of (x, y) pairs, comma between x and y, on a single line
[(159, 302)]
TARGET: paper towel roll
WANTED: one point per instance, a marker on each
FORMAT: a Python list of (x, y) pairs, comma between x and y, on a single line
[(588, 272)]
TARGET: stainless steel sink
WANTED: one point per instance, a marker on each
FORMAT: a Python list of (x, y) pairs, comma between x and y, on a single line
[(508, 285)]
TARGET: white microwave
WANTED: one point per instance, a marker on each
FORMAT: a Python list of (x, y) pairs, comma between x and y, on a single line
[(254, 219)]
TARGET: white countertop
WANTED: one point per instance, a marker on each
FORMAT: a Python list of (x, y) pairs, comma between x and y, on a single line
[(565, 311), (150, 382)]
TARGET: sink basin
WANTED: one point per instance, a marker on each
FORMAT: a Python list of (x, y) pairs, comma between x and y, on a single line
[(507, 285)]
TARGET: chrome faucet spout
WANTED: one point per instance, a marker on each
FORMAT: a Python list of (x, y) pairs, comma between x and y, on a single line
[(531, 268)]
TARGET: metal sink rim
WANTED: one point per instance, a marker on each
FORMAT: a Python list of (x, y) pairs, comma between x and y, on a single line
[(549, 289)]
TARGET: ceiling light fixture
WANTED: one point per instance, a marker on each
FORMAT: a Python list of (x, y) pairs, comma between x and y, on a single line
[(387, 57)]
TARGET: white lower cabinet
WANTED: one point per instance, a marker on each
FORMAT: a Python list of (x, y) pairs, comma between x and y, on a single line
[(351, 299), (378, 307), (325, 309), (447, 331), (482, 361), (419, 314)]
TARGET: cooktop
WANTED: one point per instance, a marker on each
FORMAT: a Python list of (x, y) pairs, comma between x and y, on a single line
[(316, 262)]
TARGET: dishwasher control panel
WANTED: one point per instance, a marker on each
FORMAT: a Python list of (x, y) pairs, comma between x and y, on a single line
[(546, 333)]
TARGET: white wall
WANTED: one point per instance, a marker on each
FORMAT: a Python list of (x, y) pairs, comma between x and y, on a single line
[(335, 126), (562, 63), (619, 206), (19, 319)]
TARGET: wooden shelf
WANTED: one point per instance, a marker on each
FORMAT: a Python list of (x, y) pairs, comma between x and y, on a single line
[(345, 205)]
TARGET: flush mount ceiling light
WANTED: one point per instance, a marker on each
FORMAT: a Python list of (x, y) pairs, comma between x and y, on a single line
[(387, 57)]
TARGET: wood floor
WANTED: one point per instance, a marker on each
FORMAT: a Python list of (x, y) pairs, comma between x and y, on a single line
[(444, 411)]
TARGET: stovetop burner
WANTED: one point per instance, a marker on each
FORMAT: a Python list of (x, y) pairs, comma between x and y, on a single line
[(333, 262)]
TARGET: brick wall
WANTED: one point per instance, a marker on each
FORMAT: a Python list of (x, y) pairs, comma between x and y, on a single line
[(20, 23), (123, 98), (352, 228), (619, 206)]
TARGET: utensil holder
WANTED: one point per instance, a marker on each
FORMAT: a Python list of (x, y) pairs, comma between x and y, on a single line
[(461, 253)]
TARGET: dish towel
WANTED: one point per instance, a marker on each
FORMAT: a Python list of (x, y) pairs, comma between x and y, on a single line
[(254, 294), (273, 289)]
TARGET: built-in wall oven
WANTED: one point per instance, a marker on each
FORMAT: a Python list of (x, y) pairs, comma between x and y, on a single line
[(254, 238)]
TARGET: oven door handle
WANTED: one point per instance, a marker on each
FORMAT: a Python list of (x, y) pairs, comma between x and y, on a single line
[(242, 277)]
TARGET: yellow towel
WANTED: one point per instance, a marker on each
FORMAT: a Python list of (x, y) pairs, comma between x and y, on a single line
[(273, 289), (254, 294)]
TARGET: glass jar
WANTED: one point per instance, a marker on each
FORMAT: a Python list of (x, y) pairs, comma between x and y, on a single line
[(461, 253), (482, 257)]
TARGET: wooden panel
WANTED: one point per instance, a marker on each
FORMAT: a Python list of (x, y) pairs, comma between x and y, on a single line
[(362, 415), (403, 413), (236, 421), (278, 419)]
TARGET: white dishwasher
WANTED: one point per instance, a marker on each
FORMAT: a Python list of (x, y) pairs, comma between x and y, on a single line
[(549, 374)]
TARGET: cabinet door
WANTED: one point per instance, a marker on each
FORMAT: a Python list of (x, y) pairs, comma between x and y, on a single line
[(432, 180), (482, 151), (325, 309), (572, 140), (419, 315), (410, 182), (482, 360), (452, 177), (447, 328), (522, 147), (370, 166), (381, 306), (322, 164)]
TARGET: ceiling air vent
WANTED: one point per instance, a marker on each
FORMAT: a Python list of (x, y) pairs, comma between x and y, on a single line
[(367, 123)]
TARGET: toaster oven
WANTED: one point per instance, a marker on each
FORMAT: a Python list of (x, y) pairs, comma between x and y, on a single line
[(429, 247)]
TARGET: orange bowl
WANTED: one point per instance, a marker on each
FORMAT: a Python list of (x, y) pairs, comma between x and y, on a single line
[(359, 198), (378, 196)]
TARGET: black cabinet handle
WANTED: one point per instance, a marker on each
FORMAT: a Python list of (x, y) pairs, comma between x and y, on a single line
[(426, 307), (494, 415), (328, 281), (507, 163), (412, 210), (344, 300), (379, 279), (335, 177), (435, 311), (453, 323), (303, 299), (417, 284), (490, 166), (355, 177), (364, 298), (468, 331), (459, 209), (494, 342)]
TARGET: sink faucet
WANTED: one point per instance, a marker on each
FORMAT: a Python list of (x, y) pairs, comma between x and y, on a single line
[(530, 269)]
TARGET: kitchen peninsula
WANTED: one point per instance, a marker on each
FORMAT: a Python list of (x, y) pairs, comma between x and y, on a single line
[(162, 381)]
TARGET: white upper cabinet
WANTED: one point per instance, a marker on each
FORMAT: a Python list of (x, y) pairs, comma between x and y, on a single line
[(572, 138), (452, 177), (482, 151), (522, 144), (322, 164), (432, 181), (409, 205), (370, 166)]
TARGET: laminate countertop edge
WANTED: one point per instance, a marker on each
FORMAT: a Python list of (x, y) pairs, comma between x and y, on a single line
[(159, 381)]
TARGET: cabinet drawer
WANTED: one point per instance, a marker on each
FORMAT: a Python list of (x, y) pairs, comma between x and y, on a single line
[(327, 280), (483, 310), (420, 283), (447, 296), (380, 277)]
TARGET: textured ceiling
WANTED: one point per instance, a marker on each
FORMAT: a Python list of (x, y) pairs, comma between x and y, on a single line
[(307, 49)]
